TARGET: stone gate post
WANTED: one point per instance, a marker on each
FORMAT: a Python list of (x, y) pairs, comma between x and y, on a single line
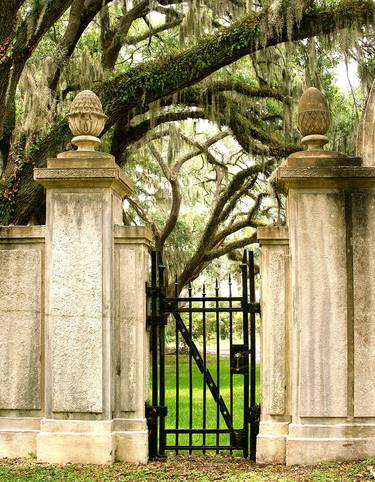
[(275, 343), (331, 221), (95, 343)]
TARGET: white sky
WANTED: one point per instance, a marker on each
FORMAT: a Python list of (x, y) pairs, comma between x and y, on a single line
[(342, 75)]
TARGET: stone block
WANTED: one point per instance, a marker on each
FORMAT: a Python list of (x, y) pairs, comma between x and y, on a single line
[(271, 442), (318, 247), (132, 447), (75, 301), (18, 436), (363, 219), (21, 315), (131, 352), (76, 441)]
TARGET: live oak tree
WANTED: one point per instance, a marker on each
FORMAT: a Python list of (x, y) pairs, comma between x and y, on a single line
[(157, 64)]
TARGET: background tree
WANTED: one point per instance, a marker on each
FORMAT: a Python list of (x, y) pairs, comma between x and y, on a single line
[(199, 95)]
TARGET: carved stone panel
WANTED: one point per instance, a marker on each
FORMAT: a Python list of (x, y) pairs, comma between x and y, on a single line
[(276, 317), (320, 301), (75, 302), (20, 328), (364, 303), (128, 329)]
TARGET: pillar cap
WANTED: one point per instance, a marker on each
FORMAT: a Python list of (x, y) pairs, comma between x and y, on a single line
[(87, 178), (273, 234)]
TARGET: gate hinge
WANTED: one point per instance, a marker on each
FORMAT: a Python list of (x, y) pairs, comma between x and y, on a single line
[(238, 438), (254, 413), (154, 411), (254, 307)]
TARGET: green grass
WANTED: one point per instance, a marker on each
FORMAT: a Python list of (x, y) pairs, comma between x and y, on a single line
[(197, 398)]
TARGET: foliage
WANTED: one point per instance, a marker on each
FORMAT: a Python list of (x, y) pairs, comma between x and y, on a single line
[(201, 100)]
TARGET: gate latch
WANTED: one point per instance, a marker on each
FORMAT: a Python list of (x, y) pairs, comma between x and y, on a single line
[(239, 359)]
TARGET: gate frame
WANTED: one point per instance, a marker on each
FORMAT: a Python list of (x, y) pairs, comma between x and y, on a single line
[(159, 308)]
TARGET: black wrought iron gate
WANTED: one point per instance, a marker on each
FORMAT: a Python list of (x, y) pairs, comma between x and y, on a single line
[(203, 394)]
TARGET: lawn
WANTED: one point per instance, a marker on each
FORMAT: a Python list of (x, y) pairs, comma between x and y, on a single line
[(186, 469), (197, 398)]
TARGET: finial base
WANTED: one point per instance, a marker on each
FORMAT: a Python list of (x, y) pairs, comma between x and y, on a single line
[(314, 142), (86, 143)]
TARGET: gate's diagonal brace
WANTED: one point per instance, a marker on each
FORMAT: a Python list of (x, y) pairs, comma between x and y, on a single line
[(204, 370)]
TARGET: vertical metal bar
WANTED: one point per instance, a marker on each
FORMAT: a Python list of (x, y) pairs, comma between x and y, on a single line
[(161, 270), (204, 365), (177, 372), (190, 290), (245, 313), (217, 364), (154, 355), (230, 344), (253, 422)]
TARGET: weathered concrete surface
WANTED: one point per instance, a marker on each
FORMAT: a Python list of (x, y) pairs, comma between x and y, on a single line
[(363, 219), (74, 345), (131, 273), (332, 233), (275, 344), (318, 243), (81, 442), (132, 344), (21, 317), (18, 436), (75, 294)]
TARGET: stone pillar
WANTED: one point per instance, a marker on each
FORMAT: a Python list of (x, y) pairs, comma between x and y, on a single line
[(131, 345), (91, 322), (275, 344), (331, 218)]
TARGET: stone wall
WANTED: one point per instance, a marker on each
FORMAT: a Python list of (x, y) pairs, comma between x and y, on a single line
[(22, 258)]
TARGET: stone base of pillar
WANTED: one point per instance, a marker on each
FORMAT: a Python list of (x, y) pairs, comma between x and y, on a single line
[(312, 444), (90, 442), (75, 441), (271, 442), (131, 440), (18, 436)]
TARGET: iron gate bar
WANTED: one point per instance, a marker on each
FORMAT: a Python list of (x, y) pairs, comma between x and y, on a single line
[(217, 365), (177, 371), (205, 372), (230, 344), (204, 363), (190, 289), (203, 448), (200, 299), (206, 310), (152, 415), (161, 329), (254, 423), (198, 430), (244, 269)]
